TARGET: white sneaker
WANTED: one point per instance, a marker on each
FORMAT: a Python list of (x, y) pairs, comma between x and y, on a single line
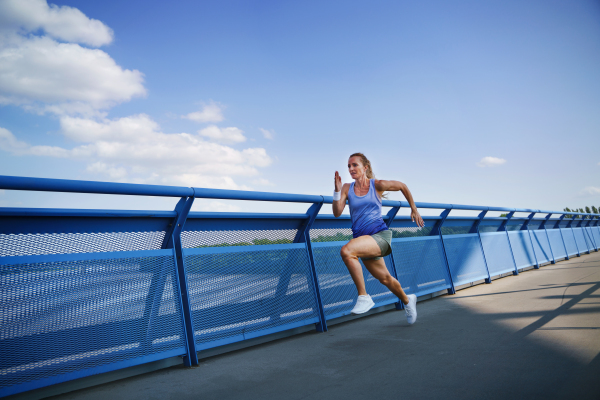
[(363, 304), (411, 309)]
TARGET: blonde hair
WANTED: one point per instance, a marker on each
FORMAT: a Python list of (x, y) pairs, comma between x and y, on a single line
[(366, 163)]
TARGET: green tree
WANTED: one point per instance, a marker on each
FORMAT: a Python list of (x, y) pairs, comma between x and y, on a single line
[(587, 210), (568, 215), (594, 210)]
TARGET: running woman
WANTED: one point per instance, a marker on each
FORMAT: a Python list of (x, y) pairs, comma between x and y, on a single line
[(372, 239)]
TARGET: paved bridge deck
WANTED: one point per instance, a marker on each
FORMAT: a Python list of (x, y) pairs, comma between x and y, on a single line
[(533, 336)]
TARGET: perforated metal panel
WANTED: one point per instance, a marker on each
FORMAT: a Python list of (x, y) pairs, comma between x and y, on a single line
[(580, 240), (406, 232), (520, 242), (569, 238), (67, 314), (68, 243), (497, 252), (556, 243), (338, 292), (241, 292), (420, 264), (596, 235), (465, 258), (541, 246), (588, 238), (197, 239), (330, 235)]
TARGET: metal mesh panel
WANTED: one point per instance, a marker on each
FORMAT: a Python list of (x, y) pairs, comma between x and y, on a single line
[(455, 230), (588, 238), (330, 235), (338, 292), (580, 239), (556, 243), (569, 238), (596, 234), (563, 223), (197, 239), (514, 225), (497, 253), (420, 265), (541, 246), (398, 233), (520, 242), (57, 317), (237, 293), (66, 243), (465, 258)]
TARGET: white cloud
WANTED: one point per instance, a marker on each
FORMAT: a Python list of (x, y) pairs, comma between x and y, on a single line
[(212, 112), (63, 23), (229, 135), (41, 74), (262, 182), (490, 162), (134, 149), (64, 78), (590, 191), (267, 134)]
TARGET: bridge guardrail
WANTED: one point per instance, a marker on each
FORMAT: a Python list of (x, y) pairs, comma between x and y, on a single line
[(84, 292)]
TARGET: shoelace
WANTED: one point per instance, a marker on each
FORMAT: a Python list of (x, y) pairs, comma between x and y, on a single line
[(408, 310)]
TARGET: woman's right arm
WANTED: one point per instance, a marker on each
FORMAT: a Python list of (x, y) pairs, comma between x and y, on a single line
[(339, 205)]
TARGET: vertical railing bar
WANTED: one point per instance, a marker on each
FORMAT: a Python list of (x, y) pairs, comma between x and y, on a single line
[(157, 284), (312, 212), (561, 235), (503, 227), (391, 215), (192, 356), (548, 238), (526, 227), (437, 230), (573, 232), (475, 229)]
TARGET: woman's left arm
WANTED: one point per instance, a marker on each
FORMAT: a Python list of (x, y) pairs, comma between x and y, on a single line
[(395, 186)]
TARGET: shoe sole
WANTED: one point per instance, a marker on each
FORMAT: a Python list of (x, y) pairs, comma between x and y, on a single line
[(362, 312)]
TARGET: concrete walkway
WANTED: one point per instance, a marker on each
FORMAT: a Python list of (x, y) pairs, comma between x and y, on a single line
[(532, 336)]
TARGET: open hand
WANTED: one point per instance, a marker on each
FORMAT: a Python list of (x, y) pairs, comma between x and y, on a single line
[(337, 181), (416, 217)]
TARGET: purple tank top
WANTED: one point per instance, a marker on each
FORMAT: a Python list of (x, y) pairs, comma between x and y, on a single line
[(365, 212)]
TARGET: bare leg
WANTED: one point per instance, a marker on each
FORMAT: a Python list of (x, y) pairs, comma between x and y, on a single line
[(364, 246), (380, 272)]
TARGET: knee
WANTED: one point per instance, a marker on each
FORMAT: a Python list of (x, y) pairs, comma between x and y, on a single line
[(386, 280), (345, 252)]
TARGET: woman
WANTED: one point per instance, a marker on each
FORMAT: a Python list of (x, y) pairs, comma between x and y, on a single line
[(372, 239)]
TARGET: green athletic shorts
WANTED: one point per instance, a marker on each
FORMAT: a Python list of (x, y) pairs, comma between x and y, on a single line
[(384, 240)]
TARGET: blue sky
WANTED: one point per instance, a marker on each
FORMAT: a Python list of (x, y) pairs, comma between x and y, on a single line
[(490, 103)]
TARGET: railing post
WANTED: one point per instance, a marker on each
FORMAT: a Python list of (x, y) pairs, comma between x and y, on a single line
[(475, 229), (526, 227), (548, 237), (561, 235), (569, 225), (589, 233), (303, 236), (437, 230), (158, 280), (175, 243), (391, 215), (503, 228)]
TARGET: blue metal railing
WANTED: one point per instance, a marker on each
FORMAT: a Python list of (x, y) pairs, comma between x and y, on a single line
[(84, 292)]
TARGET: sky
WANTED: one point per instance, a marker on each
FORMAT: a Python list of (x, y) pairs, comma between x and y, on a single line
[(493, 103)]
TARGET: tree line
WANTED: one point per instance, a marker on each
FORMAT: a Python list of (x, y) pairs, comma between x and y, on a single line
[(593, 210)]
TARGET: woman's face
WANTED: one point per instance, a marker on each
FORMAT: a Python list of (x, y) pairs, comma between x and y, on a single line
[(356, 168)]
